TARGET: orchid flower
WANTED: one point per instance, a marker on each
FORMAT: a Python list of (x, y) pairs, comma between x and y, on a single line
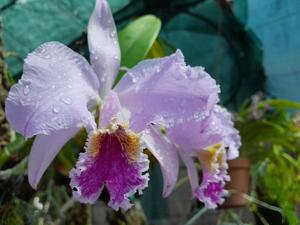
[(160, 104)]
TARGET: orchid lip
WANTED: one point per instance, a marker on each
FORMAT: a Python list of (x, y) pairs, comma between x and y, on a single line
[(113, 159)]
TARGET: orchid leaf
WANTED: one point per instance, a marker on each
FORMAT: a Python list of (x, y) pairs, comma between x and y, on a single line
[(157, 50), (136, 40)]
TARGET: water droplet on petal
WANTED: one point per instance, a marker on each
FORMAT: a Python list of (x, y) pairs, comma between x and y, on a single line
[(69, 86), (55, 109), (112, 34), (26, 90), (53, 86), (66, 100)]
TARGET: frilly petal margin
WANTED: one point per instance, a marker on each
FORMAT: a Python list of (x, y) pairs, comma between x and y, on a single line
[(57, 87), (103, 45), (214, 169), (44, 150), (211, 192), (224, 125), (166, 91), (166, 155), (113, 159)]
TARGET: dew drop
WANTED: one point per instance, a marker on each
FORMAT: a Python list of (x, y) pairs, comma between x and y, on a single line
[(53, 86), (55, 109), (112, 34), (26, 90), (66, 100), (69, 86)]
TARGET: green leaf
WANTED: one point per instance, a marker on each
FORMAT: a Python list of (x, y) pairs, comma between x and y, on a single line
[(157, 50), (136, 39), (12, 148), (281, 104)]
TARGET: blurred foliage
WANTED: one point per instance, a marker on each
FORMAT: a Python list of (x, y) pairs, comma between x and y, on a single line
[(270, 132), (279, 182), (267, 123), (5, 130), (134, 216)]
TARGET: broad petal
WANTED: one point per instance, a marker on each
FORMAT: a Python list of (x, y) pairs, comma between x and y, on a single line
[(43, 151), (114, 159), (194, 135), (216, 128), (55, 91), (166, 90), (103, 45), (166, 155)]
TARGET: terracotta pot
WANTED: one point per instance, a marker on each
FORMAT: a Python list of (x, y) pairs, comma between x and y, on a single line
[(239, 172)]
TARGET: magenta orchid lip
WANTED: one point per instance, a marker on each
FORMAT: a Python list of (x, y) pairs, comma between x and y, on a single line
[(160, 104)]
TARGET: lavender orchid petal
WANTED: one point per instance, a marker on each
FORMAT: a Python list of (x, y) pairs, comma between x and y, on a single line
[(55, 91), (165, 153), (201, 135), (215, 128), (43, 151), (103, 45), (166, 90)]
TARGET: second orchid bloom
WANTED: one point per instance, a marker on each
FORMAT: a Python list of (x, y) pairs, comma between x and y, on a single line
[(160, 104)]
